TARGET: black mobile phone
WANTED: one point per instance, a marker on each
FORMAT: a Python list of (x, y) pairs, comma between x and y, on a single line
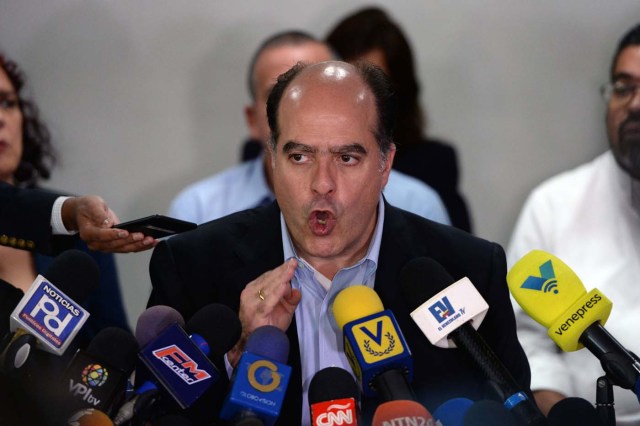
[(157, 226)]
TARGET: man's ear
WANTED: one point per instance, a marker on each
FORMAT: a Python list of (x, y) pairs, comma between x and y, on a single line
[(251, 117), (388, 163)]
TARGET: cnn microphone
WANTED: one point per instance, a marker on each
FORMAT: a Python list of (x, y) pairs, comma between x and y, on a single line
[(553, 295), (402, 413), (97, 377), (48, 317), (259, 380), (453, 314), (334, 398), (374, 345)]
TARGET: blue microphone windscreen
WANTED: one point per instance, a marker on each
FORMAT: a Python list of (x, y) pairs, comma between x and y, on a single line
[(451, 412), (270, 342)]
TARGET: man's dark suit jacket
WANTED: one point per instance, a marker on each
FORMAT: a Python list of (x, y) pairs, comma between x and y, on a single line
[(214, 263)]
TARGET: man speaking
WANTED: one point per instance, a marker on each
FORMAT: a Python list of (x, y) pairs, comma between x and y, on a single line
[(330, 228)]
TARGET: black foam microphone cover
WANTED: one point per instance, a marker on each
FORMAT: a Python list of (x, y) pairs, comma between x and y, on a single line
[(573, 412), (332, 383), (420, 279), (75, 273), (218, 325)]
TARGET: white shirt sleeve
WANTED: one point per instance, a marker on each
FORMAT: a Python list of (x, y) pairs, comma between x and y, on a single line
[(57, 226)]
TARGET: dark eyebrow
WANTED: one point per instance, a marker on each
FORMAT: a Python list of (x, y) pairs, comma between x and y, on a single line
[(624, 76), (349, 149), (293, 145), (7, 93)]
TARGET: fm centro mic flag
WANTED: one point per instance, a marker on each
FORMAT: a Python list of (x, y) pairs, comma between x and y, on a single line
[(184, 371), (457, 304), (553, 295), (50, 315)]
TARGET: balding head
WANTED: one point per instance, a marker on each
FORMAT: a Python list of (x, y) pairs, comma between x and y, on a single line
[(357, 84)]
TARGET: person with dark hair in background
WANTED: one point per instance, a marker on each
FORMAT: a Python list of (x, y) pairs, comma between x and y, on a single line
[(590, 218), (371, 35), (250, 184), (26, 157), (331, 151)]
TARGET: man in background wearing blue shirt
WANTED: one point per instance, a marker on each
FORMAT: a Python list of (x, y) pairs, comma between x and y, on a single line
[(249, 184)]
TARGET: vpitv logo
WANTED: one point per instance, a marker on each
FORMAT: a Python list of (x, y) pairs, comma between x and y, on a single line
[(181, 364), (93, 376), (546, 282)]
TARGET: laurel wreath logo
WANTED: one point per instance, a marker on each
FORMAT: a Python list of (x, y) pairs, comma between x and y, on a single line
[(392, 345)]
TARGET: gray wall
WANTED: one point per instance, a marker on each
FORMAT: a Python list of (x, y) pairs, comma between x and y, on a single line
[(144, 97)]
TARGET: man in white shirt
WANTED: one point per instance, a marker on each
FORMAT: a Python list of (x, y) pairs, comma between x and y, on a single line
[(249, 184), (590, 218)]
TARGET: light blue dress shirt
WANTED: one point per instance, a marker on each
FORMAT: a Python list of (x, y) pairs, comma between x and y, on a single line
[(244, 187), (318, 335)]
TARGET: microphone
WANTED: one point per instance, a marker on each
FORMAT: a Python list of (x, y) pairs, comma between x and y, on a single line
[(374, 345), (97, 377), (260, 379), (452, 412), (573, 412), (179, 365), (89, 417), (10, 296), (450, 315), (214, 329), (402, 412), (150, 324), (334, 398), (488, 413), (47, 316), (553, 295)]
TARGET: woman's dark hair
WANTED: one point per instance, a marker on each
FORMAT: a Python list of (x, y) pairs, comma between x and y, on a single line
[(371, 28), (38, 155)]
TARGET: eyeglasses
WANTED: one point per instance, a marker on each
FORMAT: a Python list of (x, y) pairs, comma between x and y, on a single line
[(619, 92)]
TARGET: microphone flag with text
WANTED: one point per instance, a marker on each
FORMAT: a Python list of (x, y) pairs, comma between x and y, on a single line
[(48, 315), (454, 313), (374, 345), (260, 379), (551, 293), (334, 398)]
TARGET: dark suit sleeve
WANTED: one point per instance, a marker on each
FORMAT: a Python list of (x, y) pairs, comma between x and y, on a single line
[(25, 220), (500, 325), (166, 281)]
